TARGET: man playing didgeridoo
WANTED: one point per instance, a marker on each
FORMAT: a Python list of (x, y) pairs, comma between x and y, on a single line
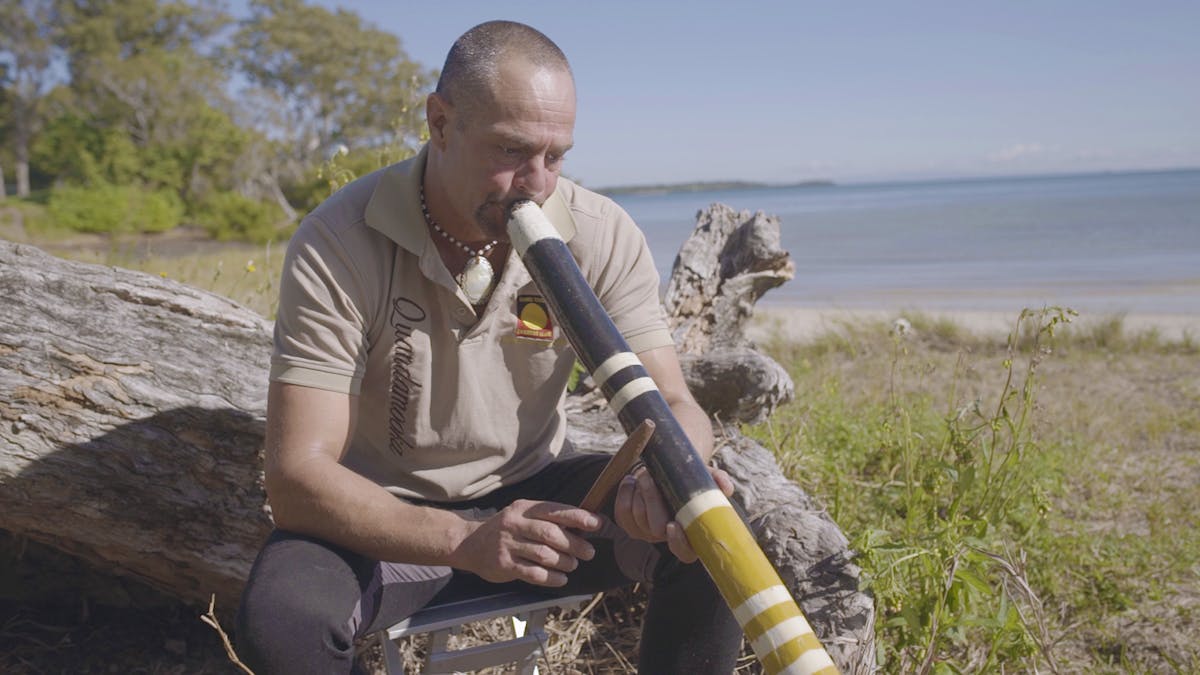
[(416, 436)]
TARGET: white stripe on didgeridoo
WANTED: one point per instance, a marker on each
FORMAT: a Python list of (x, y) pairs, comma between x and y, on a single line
[(528, 225), (698, 505), (809, 662), (630, 391), (760, 602), (613, 364), (780, 634)]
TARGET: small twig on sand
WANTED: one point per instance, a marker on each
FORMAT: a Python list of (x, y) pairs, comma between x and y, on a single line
[(211, 619)]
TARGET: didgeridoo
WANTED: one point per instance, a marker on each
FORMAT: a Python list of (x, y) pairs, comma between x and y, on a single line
[(781, 637)]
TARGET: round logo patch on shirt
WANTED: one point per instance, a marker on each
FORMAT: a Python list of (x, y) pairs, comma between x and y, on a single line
[(533, 318)]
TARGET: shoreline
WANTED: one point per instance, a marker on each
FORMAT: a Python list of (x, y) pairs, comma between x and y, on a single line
[(806, 322)]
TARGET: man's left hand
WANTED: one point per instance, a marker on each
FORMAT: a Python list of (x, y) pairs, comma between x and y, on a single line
[(642, 512)]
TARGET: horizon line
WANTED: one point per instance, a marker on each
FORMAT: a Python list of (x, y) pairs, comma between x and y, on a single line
[(830, 182)]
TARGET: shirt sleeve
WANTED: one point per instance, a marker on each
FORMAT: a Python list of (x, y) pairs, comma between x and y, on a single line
[(320, 327), (627, 283)]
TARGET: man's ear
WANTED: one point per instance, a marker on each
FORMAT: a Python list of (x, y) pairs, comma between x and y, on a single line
[(437, 115)]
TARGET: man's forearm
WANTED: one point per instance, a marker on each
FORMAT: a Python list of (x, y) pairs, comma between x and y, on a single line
[(696, 425), (533, 541), (331, 502)]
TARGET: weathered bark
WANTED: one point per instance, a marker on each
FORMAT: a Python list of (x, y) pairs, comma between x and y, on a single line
[(131, 422), (808, 550), (723, 268), (737, 385), (726, 265)]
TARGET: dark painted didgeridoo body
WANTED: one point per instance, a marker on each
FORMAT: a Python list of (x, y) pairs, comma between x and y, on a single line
[(781, 637)]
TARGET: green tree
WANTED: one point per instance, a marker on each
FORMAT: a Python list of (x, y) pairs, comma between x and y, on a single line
[(144, 81), (25, 58), (334, 80)]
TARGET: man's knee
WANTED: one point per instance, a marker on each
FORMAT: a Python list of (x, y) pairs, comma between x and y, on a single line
[(297, 607), (276, 627)]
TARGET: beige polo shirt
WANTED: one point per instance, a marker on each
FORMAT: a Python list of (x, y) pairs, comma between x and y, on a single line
[(451, 405)]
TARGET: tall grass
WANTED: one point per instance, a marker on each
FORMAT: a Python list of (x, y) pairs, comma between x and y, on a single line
[(247, 274), (965, 469), (939, 494)]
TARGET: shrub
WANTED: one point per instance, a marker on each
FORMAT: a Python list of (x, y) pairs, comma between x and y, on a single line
[(229, 215), (154, 211), (113, 209)]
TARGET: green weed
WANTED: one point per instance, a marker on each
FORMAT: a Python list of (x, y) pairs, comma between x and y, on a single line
[(940, 499), (1017, 505)]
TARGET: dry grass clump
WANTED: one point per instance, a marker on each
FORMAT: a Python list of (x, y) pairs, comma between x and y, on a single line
[(600, 637)]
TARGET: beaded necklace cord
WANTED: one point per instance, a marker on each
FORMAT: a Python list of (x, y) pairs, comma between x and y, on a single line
[(478, 277)]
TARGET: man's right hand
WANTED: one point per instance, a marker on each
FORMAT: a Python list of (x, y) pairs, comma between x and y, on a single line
[(530, 541)]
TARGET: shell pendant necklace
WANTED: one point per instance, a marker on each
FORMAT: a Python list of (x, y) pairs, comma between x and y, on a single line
[(477, 278)]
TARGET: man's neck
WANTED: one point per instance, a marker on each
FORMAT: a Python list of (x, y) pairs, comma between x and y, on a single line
[(451, 246), (462, 228)]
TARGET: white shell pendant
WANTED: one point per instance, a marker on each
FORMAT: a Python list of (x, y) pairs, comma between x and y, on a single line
[(476, 279)]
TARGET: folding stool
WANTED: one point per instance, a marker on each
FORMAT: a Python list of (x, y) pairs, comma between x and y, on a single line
[(442, 621)]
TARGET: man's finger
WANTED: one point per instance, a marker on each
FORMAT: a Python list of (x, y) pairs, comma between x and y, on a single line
[(556, 537), (678, 544), (546, 556), (565, 515), (623, 505), (722, 479), (539, 575), (654, 507), (641, 513)]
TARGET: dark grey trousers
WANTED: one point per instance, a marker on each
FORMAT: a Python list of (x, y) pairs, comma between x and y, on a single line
[(307, 601)]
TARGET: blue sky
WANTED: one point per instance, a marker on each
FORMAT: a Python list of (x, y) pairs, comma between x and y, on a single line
[(789, 91)]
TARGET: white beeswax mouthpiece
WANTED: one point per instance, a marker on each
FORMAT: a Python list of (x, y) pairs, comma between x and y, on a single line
[(527, 224)]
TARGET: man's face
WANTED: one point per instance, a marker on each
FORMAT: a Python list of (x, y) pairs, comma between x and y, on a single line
[(507, 145)]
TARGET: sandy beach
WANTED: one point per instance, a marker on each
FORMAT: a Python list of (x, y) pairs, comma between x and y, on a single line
[(804, 323)]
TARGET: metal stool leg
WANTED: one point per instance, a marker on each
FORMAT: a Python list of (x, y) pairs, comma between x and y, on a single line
[(531, 625), (392, 663)]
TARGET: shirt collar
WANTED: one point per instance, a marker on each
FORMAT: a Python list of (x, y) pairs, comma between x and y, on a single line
[(395, 206)]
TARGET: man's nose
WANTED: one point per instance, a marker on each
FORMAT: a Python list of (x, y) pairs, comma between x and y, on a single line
[(533, 178)]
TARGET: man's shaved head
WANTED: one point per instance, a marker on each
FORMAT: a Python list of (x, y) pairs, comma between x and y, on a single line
[(500, 123), (473, 62)]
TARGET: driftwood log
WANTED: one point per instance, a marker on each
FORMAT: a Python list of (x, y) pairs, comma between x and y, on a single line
[(727, 264), (132, 411), (724, 267)]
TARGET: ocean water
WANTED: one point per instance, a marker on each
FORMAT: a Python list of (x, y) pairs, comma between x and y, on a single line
[(1112, 243)]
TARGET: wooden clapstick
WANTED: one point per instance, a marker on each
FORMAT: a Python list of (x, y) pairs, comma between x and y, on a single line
[(618, 466)]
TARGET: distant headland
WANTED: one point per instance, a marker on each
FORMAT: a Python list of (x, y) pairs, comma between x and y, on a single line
[(704, 186)]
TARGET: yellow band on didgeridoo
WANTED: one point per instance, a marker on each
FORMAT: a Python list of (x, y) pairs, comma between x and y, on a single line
[(782, 639)]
